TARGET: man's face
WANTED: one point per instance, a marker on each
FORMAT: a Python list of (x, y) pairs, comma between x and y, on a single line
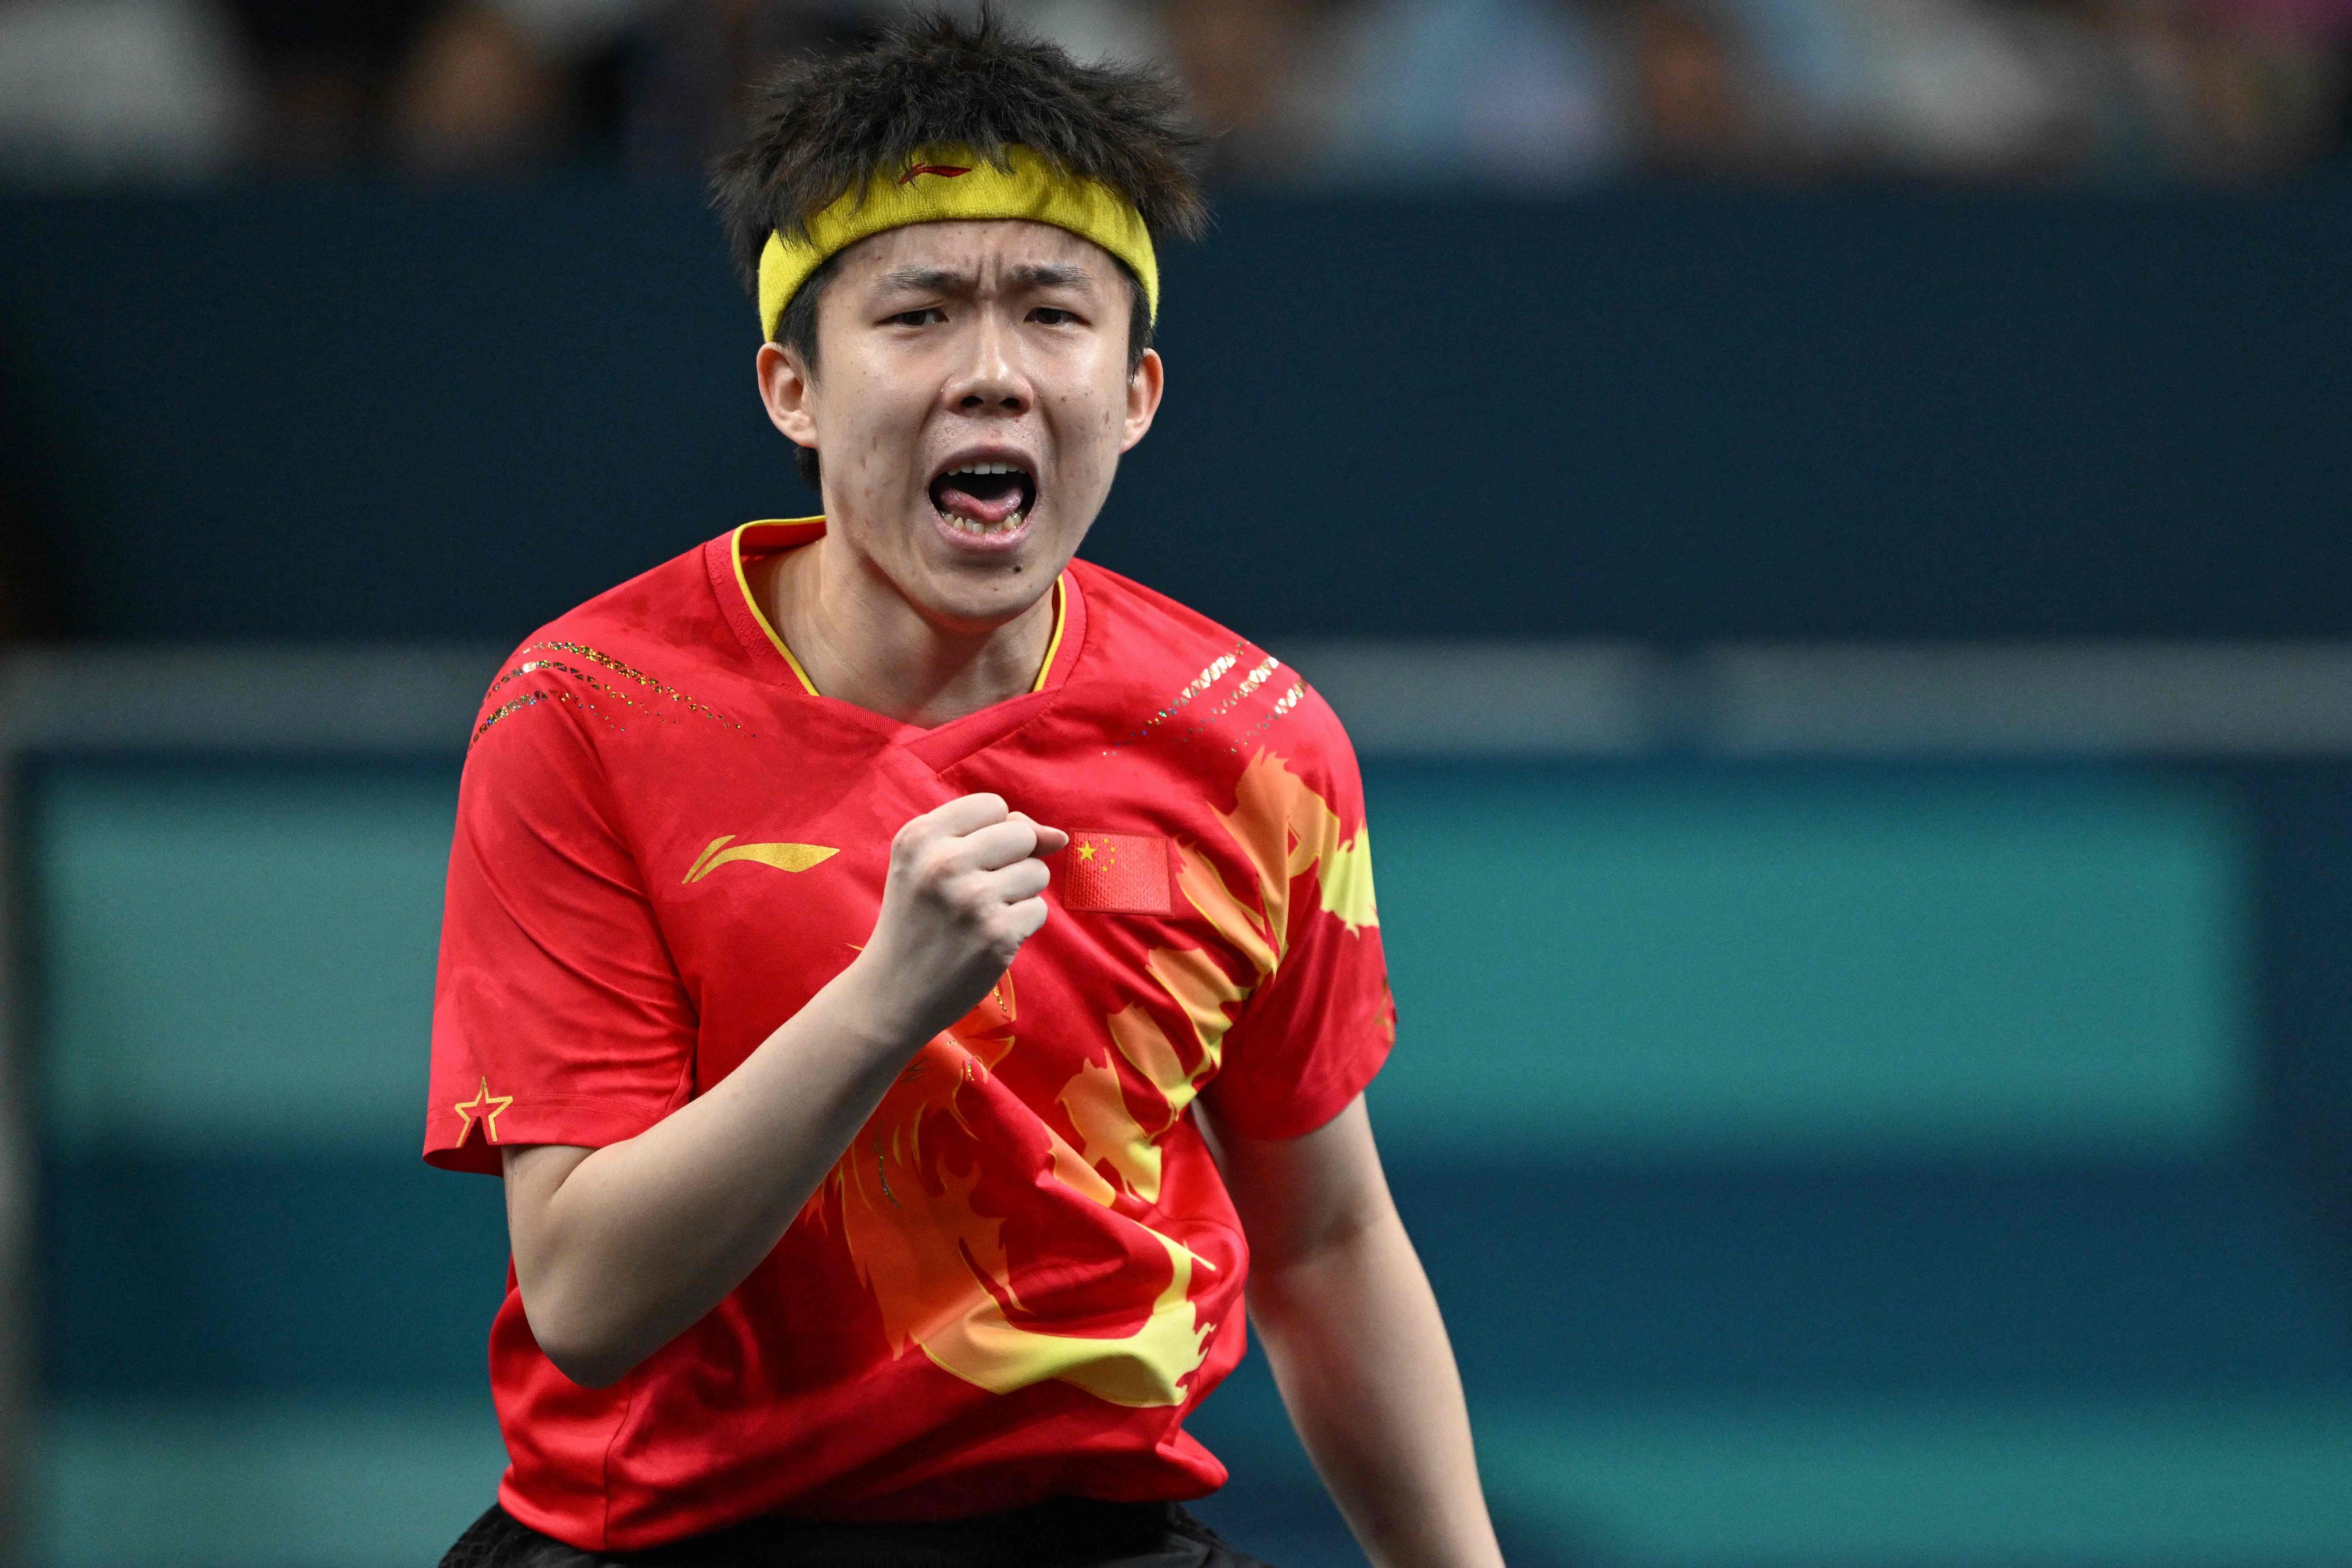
[(971, 401)]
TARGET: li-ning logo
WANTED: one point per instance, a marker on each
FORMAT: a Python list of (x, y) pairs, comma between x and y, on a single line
[(944, 171), (782, 856)]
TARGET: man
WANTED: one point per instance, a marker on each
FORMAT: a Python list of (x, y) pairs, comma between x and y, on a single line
[(877, 1194)]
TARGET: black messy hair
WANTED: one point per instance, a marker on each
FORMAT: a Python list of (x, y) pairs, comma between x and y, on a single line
[(825, 126)]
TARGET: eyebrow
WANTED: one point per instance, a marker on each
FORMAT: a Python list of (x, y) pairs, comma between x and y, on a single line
[(948, 280)]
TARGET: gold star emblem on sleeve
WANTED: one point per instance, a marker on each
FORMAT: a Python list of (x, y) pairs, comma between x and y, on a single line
[(1086, 850), (486, 1106)]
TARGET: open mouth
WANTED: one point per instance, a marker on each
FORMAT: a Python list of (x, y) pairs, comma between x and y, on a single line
[(984, 499)]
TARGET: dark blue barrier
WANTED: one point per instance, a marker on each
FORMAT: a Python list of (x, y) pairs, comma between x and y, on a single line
[(328, 412)]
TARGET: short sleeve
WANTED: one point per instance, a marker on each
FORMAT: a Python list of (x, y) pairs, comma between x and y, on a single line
[(1316, 1030), (558, 1016)]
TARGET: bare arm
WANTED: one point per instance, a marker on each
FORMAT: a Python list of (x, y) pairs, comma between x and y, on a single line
[(619, 1249), (1338, 1299)]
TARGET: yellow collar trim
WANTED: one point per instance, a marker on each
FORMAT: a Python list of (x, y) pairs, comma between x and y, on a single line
[(946, 183), (750, 600), (1061, 624), (742, 581)]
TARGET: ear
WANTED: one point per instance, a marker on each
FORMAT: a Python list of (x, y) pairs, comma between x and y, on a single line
[(788, 393), (1143, 390)]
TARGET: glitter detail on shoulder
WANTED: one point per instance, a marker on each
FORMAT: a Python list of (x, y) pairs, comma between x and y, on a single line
[(1283, 706), (1201, 685), (1216, 670), (1250, 683), (642, 702), (530, 700)]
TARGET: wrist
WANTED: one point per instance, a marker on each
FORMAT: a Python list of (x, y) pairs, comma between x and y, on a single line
[(873, 1011)]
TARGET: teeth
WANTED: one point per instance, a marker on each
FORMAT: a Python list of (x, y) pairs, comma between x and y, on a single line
[(972, 526), (988, 468)]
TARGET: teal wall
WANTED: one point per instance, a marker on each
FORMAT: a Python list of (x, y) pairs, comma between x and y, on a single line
[(1830, 1165), (239, 959), (1720, 963)]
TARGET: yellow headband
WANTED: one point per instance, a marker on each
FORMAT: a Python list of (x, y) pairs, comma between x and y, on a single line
[(949, 183)]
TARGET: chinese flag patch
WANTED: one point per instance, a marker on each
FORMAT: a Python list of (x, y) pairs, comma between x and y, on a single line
[(1119, 873)]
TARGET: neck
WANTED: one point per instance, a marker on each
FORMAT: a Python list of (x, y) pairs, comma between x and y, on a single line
[(861, 642)]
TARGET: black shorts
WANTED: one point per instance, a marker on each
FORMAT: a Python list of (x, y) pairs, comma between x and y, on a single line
[(1067, 1532)]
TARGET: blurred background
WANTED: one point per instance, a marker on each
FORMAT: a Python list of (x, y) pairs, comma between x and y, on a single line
[(1827, 520)]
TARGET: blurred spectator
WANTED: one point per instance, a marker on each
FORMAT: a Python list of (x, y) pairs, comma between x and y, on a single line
[(1249, 64), (325, 72), (1696, 90), (1524, 91), (1266, 78), (1962, 89), (1098, 29), (1520, 92), (1244, 61), (474, 96), (93, 91), (2226, 91), (694, 59), (437, 87)]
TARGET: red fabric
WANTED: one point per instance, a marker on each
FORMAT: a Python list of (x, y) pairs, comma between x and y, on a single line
[(1025, 1271)]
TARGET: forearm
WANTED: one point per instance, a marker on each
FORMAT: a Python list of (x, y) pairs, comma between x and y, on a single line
[(1368, 1375), (636, 1240), (620, 1250)]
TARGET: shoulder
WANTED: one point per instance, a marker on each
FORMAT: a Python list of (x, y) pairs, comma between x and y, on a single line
[(1172, 673), (650, 648)]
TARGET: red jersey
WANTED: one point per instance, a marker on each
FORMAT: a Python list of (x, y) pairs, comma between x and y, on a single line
[(1025, 1270)]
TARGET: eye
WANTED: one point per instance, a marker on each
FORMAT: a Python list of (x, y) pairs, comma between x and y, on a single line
[(924, 317), (1053, 316)]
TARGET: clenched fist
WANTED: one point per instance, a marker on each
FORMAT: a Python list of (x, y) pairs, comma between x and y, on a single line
[(963, 894)]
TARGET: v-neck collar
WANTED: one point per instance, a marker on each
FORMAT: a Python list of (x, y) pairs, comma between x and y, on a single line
[(938, 748)]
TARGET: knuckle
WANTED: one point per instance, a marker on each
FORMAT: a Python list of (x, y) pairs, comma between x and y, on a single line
[(969, 892)]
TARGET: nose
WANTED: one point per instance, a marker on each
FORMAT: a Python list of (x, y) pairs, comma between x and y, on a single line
[(990, 379)]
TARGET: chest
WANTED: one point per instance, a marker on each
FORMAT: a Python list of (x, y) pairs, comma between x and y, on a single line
[(766, 878)]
